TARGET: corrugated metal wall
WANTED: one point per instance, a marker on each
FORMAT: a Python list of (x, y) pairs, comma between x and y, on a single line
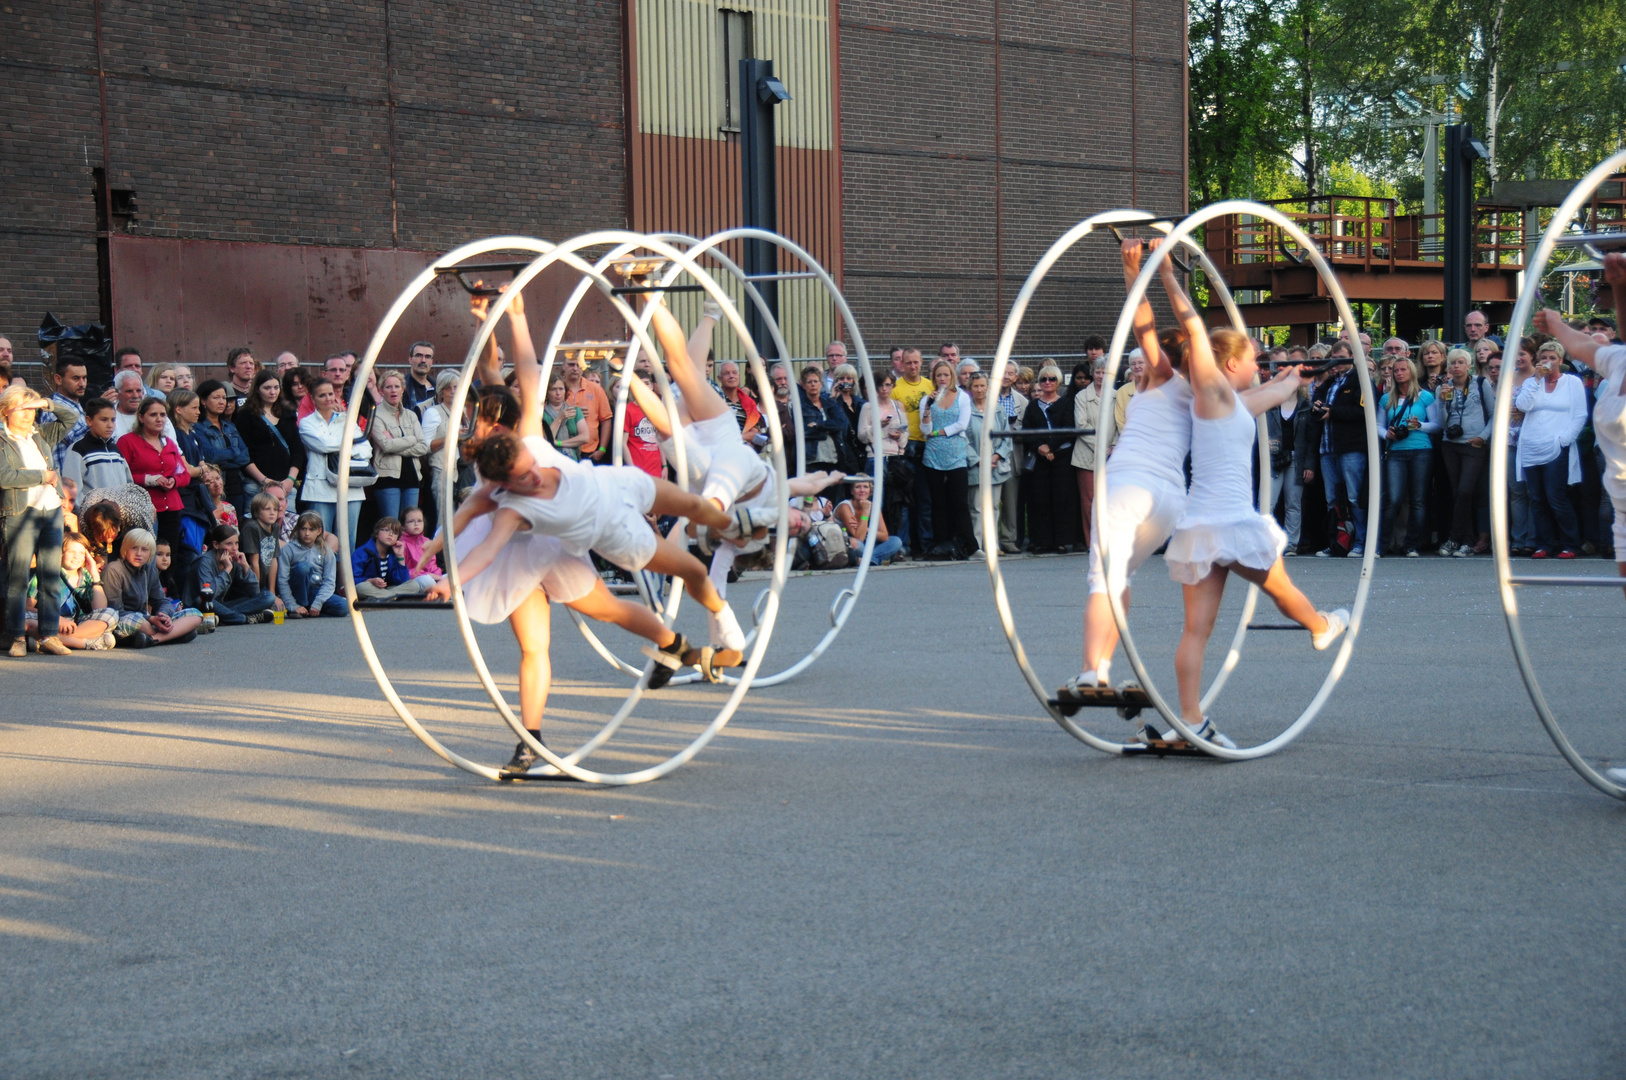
[(686, 168)]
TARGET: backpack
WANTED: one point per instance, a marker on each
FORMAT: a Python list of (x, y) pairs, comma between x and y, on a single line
[(827, 546)]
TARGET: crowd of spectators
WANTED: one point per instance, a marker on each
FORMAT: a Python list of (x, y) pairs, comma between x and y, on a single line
[(154, 509)]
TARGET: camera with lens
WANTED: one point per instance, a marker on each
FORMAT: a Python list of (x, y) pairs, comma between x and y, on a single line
[(1454, 431)]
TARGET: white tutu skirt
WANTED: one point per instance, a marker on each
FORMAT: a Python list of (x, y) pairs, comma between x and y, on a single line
[(526, 563), (1255, 542)]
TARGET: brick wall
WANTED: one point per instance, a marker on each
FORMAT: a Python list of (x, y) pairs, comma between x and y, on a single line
[(941, 224), (272, 123)]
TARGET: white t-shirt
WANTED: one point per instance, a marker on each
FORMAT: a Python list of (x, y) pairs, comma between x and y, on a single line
[(42, 497)]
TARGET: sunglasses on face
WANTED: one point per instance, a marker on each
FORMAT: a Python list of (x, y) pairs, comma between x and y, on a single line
[(1048, 378)]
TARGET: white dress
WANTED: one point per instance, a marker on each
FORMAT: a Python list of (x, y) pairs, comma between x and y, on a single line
[(529, 561), (1220, 525), (1146, 482)]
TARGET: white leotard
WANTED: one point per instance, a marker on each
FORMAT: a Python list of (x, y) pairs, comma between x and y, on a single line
[(1156, 436), (1221, 468)]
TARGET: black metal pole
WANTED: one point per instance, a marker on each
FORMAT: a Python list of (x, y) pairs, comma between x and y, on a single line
[(759, 93), (1461, 151)]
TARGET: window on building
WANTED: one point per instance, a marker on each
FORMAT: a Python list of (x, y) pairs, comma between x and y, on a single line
[(734, 30)]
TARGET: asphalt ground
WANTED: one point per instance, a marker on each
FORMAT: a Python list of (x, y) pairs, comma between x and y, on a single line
[(229, 859)]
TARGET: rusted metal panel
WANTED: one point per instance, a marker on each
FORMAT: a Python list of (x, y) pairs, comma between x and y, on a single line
[(211, 289), (192, 300), (147, 304), (268, 279)]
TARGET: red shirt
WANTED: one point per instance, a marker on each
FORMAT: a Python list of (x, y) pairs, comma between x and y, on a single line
[(642, 448), (144, 461)]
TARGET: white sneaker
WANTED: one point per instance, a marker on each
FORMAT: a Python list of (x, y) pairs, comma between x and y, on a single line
[(1337, 623), (725, 629), (1448, 548), (1211, 733), (1618, 775)]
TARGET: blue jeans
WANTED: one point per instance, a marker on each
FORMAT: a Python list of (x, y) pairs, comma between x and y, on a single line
[(1520, 521), (234, 610), (1347, 473), (884, 550), (328, 512), (392, 500), (1405, 474), (1551, 513), (303, 585), (34, 536)]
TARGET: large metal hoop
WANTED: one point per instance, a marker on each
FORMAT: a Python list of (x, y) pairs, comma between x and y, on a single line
[(1505, 580), (555, 254), (848, 595), (1007, 344), (1341, 661)]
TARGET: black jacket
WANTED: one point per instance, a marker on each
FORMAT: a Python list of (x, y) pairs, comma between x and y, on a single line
[(1348, 417)]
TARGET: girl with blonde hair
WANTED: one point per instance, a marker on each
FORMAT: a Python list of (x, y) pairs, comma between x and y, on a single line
[(1411, 419)]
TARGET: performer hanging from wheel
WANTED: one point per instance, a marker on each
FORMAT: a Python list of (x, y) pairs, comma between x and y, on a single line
[(1146, 490), (728, 473), (1220, 532), (538, 490), (531, 569)]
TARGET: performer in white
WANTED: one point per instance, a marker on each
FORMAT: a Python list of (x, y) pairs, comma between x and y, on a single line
[(1220, 532)]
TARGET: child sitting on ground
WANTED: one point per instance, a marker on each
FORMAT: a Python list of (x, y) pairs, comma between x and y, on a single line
[(145, 617), (238, 597), (260, 539), (413, 542), (382, 571), (168, 577), (307, 573), (87, 622)]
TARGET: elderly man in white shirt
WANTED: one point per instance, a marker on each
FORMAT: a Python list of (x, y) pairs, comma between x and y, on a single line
[(1554, 408), (128, 390)]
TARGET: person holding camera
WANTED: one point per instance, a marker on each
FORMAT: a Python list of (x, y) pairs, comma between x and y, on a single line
[(1554, 408), (1410, 417), (1466, 402)]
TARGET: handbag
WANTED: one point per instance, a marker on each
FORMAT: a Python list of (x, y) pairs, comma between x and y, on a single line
[(362, 472)]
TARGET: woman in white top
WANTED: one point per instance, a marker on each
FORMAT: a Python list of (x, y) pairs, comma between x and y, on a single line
[(894, 428), (1086, 417), (437, 426), (1609, 409), (324, 436), (1220, 532), (1146, 484), (1554, 408)]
